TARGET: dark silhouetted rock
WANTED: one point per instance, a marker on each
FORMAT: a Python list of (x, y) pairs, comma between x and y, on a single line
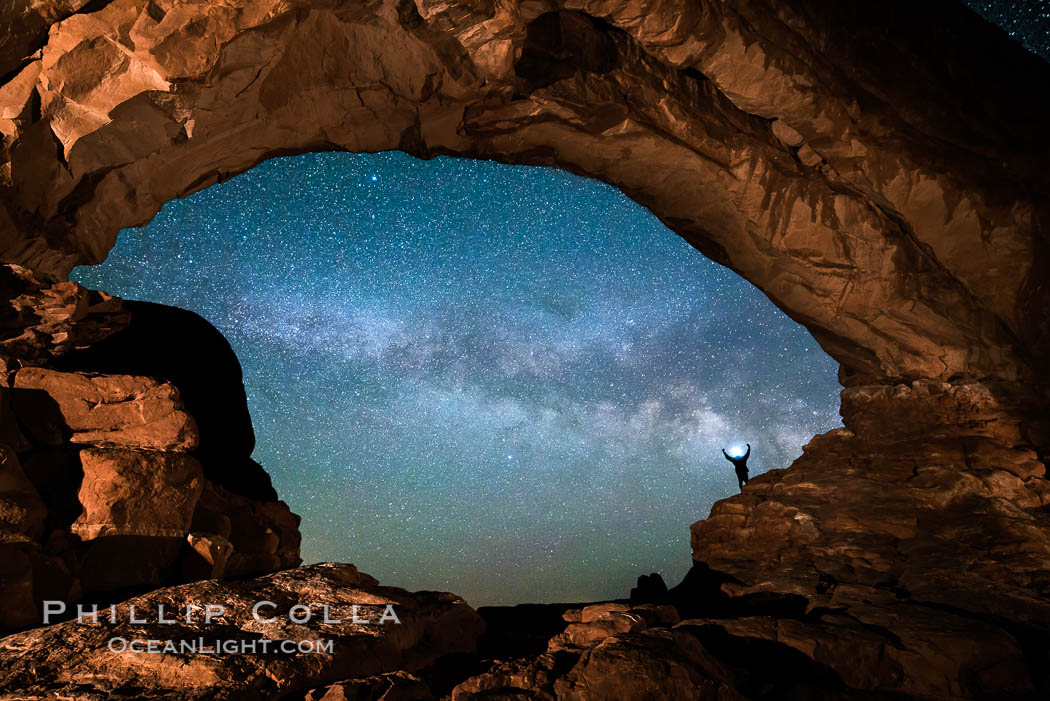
[(651, 589)]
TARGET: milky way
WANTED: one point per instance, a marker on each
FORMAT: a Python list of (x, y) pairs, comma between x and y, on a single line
[(507, 382)]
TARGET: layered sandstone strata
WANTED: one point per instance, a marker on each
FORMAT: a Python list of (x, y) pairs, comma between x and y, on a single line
[(105, 486)]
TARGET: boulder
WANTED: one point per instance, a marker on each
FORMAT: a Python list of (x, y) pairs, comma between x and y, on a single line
[(112, 484), (90, 661), (135, 492), (184, 349)]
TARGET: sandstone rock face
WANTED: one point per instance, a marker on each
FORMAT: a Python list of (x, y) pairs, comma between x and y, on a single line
[(104, 410), (916, 540), (42, 319), (899, 223), (134, 492), (104, 484), (82, 665), (642, 663)]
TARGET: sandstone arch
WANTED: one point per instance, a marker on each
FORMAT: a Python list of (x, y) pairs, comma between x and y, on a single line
[(881, 179), (899, 224)]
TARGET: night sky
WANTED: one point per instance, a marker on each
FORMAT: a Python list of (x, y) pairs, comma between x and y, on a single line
[(1027, 21), (507, 382)]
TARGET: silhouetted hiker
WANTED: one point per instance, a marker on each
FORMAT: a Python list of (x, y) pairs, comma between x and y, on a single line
[(739, 464)]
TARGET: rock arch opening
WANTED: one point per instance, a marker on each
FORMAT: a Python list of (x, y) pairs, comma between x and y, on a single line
[(507, 382), (903, 222)]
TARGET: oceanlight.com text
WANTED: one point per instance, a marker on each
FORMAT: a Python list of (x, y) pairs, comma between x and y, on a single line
[(200, 646)]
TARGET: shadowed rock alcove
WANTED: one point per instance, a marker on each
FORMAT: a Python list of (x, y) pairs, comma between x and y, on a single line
[(902, 222)]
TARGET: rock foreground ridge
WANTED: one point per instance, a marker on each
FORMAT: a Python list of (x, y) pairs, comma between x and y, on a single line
[(87, 664), (877, 169)]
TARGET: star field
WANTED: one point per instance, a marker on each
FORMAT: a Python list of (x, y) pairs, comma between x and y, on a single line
[(1027, 21), (508, 382)]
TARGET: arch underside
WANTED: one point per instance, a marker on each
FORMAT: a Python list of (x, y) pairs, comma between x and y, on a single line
[(880, 180), (904, 240)]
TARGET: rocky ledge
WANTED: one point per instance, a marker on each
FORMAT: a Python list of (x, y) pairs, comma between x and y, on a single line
[(906, 556), (307, 628)]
